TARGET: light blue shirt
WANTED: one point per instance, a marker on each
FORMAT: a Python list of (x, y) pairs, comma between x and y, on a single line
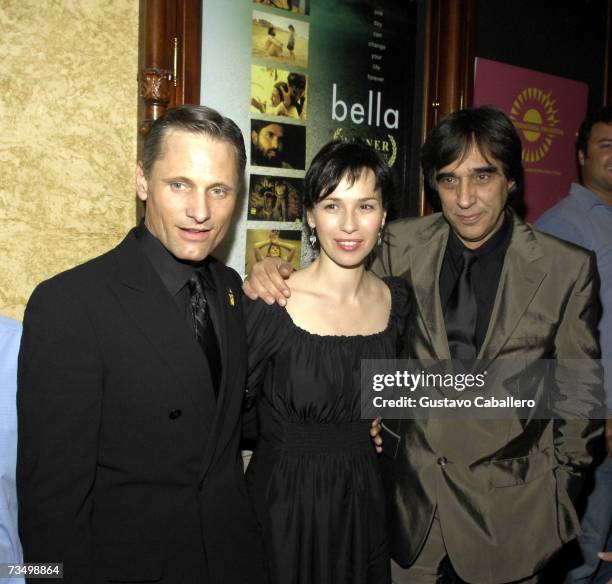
[(10, 547), (583, 218)]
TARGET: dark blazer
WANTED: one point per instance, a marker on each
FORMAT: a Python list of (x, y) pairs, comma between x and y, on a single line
[(503, 488), (128, 470)]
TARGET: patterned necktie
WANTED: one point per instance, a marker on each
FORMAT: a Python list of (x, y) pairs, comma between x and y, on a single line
[(461, 312), (203, 328)]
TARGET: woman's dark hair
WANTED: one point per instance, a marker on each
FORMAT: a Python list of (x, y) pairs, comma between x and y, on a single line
[(486, 128), (337, 160)]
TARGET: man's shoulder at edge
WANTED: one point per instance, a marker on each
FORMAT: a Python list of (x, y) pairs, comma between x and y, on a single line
[(9, 325), (570, 217), (407, 230), (557, 250), (88, 277), (96, 271)]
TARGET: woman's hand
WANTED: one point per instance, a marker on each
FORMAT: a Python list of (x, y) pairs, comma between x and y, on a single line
[(375, 429)]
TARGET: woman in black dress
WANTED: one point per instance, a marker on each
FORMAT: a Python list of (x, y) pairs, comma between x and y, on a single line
[(314, 477)]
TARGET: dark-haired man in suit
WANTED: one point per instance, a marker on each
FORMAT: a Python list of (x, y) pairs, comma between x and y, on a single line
[(131, 380), (470, 500)]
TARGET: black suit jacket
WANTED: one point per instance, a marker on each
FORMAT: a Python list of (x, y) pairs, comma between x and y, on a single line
[(128, 469)]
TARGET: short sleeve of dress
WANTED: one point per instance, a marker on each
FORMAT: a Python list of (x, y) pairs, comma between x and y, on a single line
[(402, 310), (266, 329)]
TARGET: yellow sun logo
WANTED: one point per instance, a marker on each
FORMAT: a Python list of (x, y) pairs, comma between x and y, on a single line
[(535, 116)]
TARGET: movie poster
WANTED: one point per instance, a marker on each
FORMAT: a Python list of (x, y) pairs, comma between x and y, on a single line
[(295, 74)]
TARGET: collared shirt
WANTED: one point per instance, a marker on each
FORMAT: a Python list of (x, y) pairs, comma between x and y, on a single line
[(10, 547), (486, 273), (583, 218), (174, 273)]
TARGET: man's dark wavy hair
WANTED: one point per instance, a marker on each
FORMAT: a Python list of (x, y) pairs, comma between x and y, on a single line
[(488, 129)]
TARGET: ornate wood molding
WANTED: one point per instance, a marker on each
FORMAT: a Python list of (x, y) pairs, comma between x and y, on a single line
[(169, 60), (169, 56), (155, 89), (449, 64), (189, 58)]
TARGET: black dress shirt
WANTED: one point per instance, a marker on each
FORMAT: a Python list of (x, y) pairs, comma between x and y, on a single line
[(486, 273), (173, 272)]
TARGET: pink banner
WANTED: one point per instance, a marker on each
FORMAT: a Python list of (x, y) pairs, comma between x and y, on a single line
[(546, 111)]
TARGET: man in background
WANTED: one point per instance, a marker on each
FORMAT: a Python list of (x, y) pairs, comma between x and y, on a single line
[(10, 547), (584, 217)]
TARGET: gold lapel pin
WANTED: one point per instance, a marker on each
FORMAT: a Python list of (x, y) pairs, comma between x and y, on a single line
[(231, 297)]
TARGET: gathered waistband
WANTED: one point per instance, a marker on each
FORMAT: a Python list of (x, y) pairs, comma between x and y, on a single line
[(321, 438)]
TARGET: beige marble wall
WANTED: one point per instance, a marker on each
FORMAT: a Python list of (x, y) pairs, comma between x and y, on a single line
[(68, 98)]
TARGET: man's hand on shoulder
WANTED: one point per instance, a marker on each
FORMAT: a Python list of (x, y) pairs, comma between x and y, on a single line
[(267, 281)]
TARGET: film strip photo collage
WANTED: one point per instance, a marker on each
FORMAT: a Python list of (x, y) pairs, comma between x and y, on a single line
[(278, 120)]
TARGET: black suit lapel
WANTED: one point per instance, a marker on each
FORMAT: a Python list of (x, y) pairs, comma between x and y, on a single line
[(144, 297), (224, 311), (218, 316)]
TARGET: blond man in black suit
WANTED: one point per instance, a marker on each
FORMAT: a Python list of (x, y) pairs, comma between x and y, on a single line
[(131, 380)]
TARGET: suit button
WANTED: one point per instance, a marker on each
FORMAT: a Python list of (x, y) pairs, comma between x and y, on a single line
[(174, 414), (442, 461)]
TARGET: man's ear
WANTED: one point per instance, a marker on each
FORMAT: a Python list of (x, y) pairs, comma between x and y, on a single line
[(581, 157), (254, 136), (141, 183)]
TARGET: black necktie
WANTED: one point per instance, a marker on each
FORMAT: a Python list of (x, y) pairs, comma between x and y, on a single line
[(204, 329), (461, 312)]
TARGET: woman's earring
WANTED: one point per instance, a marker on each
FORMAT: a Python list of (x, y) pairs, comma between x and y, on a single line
[(312, 238), (379, 241)]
